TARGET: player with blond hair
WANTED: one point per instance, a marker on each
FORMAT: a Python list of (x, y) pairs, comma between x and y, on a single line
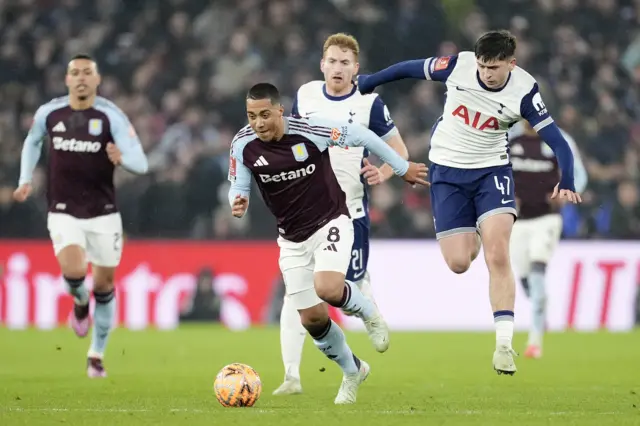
[(336, 97)]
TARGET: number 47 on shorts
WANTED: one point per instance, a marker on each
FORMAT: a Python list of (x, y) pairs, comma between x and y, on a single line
[(503, 184)]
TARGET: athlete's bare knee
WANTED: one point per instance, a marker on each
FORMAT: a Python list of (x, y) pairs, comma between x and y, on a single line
[(329, 286), (103, 278), (458, 250), (314, 317), (459, 264), (72, 262), (497, 257)]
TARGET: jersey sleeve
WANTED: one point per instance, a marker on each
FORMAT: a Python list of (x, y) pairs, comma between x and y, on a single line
[(533, 109), (32, 147), (380, 121), (344, 134), (239, 175), (439, 68), (127, 141)]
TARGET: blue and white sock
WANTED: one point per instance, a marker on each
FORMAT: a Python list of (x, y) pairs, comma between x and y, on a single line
[(332, 342), (103, 316), (538, 298), (78, 290), (504, 327)]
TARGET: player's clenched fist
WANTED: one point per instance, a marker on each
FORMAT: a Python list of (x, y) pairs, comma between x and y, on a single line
[(239, 206), (416, 174), (566, 194), (114, 154), (22, 193)]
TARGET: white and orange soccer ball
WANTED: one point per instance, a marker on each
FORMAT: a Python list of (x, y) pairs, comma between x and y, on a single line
[(237, 385)]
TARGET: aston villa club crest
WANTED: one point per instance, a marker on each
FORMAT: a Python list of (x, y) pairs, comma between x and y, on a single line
[(300, 152), (95, 126)]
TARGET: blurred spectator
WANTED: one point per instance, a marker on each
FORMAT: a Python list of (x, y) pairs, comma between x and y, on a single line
[(203, 304), (180, 68)]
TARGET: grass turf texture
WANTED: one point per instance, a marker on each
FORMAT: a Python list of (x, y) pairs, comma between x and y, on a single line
[(166, 378)]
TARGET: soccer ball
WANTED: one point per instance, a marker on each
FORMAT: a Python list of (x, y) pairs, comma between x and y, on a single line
[(237, 385)]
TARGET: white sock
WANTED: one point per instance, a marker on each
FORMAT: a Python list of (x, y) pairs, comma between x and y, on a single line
[(503, 321), (292, 335)]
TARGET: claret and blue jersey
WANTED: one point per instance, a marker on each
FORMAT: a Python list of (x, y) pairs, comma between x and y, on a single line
[(294, 174)]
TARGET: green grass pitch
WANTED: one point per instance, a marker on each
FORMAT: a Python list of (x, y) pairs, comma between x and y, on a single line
[(165, 378)]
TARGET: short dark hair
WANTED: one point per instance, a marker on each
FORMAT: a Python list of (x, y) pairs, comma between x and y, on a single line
[(495, 46), (264, 91), (85, 56), (82, 56)]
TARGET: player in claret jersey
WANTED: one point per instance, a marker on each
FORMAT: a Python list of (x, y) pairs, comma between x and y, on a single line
[(539, 227), (88, 137), (336, 97), (289, 161), (472, 187)]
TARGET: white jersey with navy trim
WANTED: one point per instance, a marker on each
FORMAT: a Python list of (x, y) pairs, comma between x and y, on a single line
[(368, 110), (472, 131)]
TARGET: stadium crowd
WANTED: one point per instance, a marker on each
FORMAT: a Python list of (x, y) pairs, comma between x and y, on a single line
[(180, 69)]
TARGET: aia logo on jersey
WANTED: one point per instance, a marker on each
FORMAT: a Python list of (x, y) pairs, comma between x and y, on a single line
[(477, 121)]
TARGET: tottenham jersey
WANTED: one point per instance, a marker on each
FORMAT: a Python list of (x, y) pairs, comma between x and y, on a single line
[(369, 110), (472, 131)]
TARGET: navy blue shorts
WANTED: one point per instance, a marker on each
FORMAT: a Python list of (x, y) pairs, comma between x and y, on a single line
[(359, 250), (462, 198)]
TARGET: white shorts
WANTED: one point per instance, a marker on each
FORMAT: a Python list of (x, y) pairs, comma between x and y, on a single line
[(100, 237), (328, 249), (534, 240)]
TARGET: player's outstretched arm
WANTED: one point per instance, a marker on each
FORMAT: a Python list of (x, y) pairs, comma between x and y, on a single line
[(434, 68), (345, 134), (240, 178)]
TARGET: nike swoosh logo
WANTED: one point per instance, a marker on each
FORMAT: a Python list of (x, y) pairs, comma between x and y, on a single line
[(358, 274), (506, 201), (460, 89)]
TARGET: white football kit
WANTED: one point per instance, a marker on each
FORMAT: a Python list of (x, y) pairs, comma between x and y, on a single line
[(471, 178), (369, 110)]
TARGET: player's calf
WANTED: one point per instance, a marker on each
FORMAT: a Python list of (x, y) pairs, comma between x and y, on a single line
[(333, 289), (329, 338), (496, 233), (73, 265), (537, 296), (103, 316)]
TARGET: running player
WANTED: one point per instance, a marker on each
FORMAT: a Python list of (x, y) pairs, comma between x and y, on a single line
[(539, 227), (89, 136), (471, 178), (289, 161), (338, 98)]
